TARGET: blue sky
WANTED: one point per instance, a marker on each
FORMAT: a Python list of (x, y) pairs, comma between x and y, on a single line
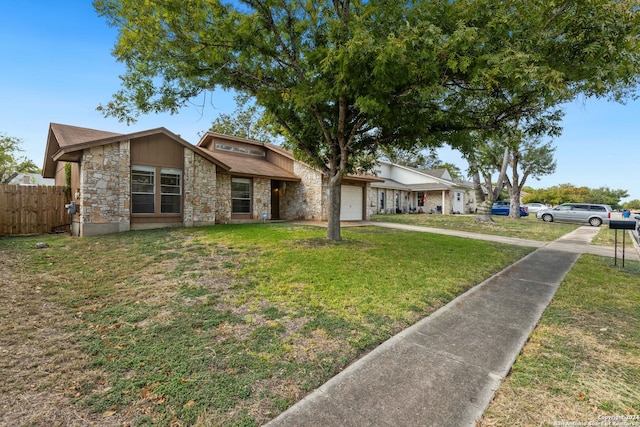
[(57, 67)]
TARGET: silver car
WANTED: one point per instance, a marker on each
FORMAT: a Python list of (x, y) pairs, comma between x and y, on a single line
[(591, 213), (535, 207)]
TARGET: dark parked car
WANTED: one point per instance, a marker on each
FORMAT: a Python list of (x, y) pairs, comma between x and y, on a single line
[(501, 207)]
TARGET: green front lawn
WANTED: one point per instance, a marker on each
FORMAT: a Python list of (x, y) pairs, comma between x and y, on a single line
[(524, 228), (226, 325)]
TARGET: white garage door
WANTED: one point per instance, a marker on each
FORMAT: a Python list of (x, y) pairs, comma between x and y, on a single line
[(351, 203)]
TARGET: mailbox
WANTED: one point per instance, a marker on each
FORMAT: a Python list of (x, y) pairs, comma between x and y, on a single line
[(615, 224)]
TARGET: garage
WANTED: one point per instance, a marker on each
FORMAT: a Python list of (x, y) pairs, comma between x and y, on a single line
[(351, 203)]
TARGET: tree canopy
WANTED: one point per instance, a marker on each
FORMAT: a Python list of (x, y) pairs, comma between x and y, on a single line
[(11, 163), (632, 204), (344, 77), (568, 193), (247, 121)]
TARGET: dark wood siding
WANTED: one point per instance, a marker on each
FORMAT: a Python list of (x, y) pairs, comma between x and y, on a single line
[(157, 150), (280, 160)]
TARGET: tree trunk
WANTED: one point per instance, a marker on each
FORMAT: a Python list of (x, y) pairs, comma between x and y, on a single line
[(483, 211), (335, 191), (514, 207), (512, 185)]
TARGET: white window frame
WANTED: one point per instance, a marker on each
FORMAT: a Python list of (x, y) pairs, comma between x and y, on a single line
[(160, 191), (249, 182), (177, 189), (136, 191)]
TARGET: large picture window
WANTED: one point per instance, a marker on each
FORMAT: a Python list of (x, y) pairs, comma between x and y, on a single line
[(241, 195), (147, 197)]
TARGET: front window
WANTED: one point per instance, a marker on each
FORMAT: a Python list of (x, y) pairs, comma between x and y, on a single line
[(142, 189), (170, 190), (422, 196), (241, 195), (149, 198)]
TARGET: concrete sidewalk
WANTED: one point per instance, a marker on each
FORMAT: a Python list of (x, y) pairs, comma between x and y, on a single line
[(444, 370), (577, 241)]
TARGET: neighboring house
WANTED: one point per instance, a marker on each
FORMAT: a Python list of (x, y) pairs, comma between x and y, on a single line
[(29, 179), (410, 190), (154, 178)]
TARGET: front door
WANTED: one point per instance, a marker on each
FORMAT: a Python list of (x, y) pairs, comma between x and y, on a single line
[(276, 188), (458, 202)]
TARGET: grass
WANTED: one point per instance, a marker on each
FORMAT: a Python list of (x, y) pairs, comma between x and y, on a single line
[(231, 325), (525, 228), (528, 227), (607, 237), (227, 325), (582, 362)]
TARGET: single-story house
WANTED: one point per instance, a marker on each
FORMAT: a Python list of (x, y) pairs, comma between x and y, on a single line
[(154, 178), (411, 190)]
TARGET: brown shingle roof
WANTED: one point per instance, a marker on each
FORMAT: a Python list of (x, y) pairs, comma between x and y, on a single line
[(67, 136), (248, 165), (66, 143), (242, 164)]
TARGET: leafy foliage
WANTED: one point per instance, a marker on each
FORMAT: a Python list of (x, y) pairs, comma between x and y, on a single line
[(247, 121), (632, 204), (10, 162), (567, 193)]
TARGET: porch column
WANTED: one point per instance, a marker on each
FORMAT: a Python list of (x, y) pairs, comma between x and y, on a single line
[(443, 200)]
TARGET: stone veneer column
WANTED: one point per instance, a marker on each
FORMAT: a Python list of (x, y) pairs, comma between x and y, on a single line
[(303, 199), (372, 201), (369, 201), (223, 191), (261, 198), (105, 189), (200, 198)]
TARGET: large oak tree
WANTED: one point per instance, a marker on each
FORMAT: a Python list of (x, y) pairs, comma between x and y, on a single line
[(343, 77)]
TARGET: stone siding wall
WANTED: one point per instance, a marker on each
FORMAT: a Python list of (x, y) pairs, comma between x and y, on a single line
[(223, 192), (261, 198), (105, 183), (199, 190), (372, 201), (304, 199)]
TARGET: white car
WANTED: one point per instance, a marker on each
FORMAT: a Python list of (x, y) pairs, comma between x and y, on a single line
[(535, 207)]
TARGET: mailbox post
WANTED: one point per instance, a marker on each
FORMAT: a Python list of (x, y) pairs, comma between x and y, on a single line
[(620, 225)]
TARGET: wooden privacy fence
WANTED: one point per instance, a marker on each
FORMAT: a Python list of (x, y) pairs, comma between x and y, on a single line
[(32, 210)]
